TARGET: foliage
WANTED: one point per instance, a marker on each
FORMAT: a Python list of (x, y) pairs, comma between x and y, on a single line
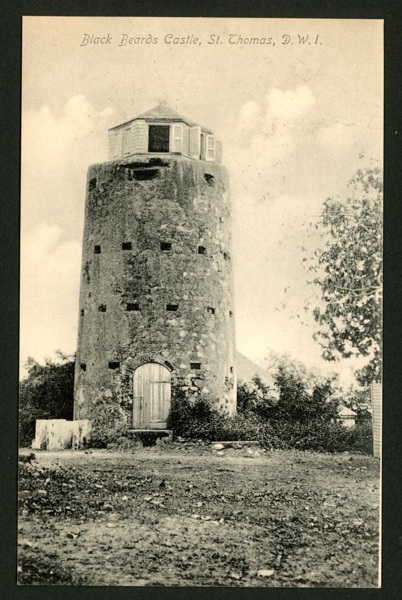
[(109, 422), (255, 397), (299, 403), (198, 420), (46, 393), (359, 400), (349, 273), (304, 416)]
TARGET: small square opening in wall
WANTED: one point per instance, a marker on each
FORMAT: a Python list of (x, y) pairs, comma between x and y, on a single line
[(166, 246), (92, 184), (133, 306), (114, 365), (230, 313), (97, 249), (231, 369), (209, 179), (126, 246), (195, 365), (226, 255), (201, 250), (83, 366), (211, 310), (144, 174), (172, 307), (82, 312), (102, 308)]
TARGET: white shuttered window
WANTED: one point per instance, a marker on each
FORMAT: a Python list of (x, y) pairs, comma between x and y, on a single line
[(126, 141), (176, 138), (210, 153), (195, 142)]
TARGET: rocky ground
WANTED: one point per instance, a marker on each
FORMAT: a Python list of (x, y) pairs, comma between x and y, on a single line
[(189, 515)]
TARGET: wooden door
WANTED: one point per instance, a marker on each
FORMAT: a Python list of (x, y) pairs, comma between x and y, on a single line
[(152, 391)]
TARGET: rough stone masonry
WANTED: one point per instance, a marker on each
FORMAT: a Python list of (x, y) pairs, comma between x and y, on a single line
[(156, 296)]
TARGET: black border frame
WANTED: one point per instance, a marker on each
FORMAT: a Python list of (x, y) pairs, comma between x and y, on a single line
[(10, 57)]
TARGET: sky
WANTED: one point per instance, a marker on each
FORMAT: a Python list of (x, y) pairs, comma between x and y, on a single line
[(297, 113)]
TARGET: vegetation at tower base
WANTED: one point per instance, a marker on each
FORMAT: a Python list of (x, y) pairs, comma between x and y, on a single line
[(349, 274), (359, 400), (110, 420), (304, 416), (46, 393)]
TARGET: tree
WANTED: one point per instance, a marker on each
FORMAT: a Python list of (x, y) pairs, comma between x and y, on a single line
[(349, 273), (358, 400), (46, 393)]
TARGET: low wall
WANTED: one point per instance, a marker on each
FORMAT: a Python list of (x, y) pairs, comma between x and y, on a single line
[(59, 434)]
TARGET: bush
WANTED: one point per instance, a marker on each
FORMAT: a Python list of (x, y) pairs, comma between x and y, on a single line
[(198, 420), (303, 417), (316, 435), (360, 438), (303, 401), (46, 393), (109, 422)]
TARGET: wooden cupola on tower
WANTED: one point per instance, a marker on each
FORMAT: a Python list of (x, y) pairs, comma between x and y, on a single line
[(162, 130)]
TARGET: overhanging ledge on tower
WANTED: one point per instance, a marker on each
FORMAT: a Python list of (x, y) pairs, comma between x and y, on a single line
[(162, 131)]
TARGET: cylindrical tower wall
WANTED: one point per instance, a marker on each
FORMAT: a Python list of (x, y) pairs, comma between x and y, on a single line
[(156, 283)]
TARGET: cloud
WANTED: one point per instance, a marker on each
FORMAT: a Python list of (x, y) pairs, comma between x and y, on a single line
[(57, 148), (47, 136), (56, 151), (289, 104), (49, 292), (249, 116), (270, 139), (283, 107)]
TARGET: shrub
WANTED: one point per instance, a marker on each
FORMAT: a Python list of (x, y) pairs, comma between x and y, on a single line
[(303, 401), (360, 438), (198, 420), (109, 422), (255, 398), (46, 393)]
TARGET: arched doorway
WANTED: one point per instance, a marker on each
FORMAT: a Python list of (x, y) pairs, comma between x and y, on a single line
[(152, 392)]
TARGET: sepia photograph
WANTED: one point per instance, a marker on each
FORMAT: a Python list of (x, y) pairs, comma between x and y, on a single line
[(200, 397)]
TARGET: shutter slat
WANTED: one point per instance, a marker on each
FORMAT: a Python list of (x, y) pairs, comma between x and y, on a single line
[(195, 142), (210, 151)]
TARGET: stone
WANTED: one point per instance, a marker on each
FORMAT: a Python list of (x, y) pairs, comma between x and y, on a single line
[(218, 446), (265, 572)]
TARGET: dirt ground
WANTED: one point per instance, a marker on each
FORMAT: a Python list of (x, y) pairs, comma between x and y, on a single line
[(190, 516)]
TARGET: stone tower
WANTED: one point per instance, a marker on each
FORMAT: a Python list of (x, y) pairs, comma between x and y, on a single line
[(156, 297)]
